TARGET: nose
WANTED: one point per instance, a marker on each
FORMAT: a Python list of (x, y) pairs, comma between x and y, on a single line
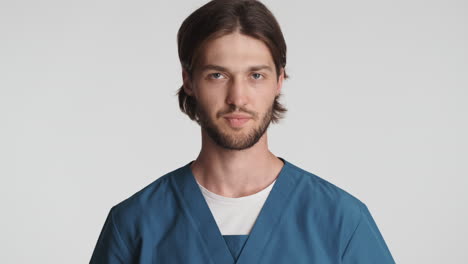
[(237, 92)]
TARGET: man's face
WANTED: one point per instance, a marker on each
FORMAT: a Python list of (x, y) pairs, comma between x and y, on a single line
[(235, 76)]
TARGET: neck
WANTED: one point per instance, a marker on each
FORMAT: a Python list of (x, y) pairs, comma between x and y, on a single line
[(235, 173)]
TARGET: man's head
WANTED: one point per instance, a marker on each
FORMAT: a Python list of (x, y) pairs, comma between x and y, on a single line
[(233, 56)]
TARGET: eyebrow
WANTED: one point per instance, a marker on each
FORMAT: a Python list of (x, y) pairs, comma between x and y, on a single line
[(221, 68)]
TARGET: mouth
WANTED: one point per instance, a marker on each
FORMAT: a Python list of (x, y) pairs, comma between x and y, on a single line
[(237, 122)]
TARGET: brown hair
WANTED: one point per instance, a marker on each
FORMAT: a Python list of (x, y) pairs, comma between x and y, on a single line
[(221, 17)]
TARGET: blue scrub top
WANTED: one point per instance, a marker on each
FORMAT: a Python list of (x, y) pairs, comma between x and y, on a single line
[(305, 219)]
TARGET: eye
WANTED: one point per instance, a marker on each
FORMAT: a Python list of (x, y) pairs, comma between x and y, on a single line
[(215, 75), (257, 76)]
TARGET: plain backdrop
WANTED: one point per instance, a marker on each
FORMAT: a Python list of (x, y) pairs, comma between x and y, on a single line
[(377, 105)]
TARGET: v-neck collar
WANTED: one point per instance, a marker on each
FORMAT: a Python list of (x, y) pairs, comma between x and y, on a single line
[(199, 212)]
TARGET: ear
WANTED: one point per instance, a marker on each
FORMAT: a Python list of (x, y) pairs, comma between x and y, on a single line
[(280, 82), (187, 83)]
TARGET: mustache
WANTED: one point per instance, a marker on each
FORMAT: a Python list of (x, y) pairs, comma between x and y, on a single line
[(236, 110)]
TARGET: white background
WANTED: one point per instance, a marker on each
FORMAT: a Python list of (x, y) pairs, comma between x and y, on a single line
[(377, 105)]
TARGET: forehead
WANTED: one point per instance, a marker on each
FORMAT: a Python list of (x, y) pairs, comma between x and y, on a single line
[(236, 51)]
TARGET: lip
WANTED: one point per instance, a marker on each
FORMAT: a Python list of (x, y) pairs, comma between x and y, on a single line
[(237, 116), (237, 121)]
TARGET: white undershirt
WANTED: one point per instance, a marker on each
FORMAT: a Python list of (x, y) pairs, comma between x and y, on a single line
[(235, 216)]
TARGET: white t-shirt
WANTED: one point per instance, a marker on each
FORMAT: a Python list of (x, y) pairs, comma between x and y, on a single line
[(235, 216)]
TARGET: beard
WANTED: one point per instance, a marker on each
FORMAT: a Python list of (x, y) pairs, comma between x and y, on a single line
[(234, 141)]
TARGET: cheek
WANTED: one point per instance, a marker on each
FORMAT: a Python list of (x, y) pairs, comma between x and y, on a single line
[(211, 98), (208, 91), (266, 95), (267, 100), (266, 88), (210, 107)]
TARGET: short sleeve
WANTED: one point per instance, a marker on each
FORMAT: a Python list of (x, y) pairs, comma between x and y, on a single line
[(366, 244), (110, 248)]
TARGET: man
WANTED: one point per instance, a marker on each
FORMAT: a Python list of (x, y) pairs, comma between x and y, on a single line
[(237, 202)]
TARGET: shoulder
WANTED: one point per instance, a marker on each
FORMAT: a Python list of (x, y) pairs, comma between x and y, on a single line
[(327, 196), (147, 202), (139, 217), (327, 207)]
